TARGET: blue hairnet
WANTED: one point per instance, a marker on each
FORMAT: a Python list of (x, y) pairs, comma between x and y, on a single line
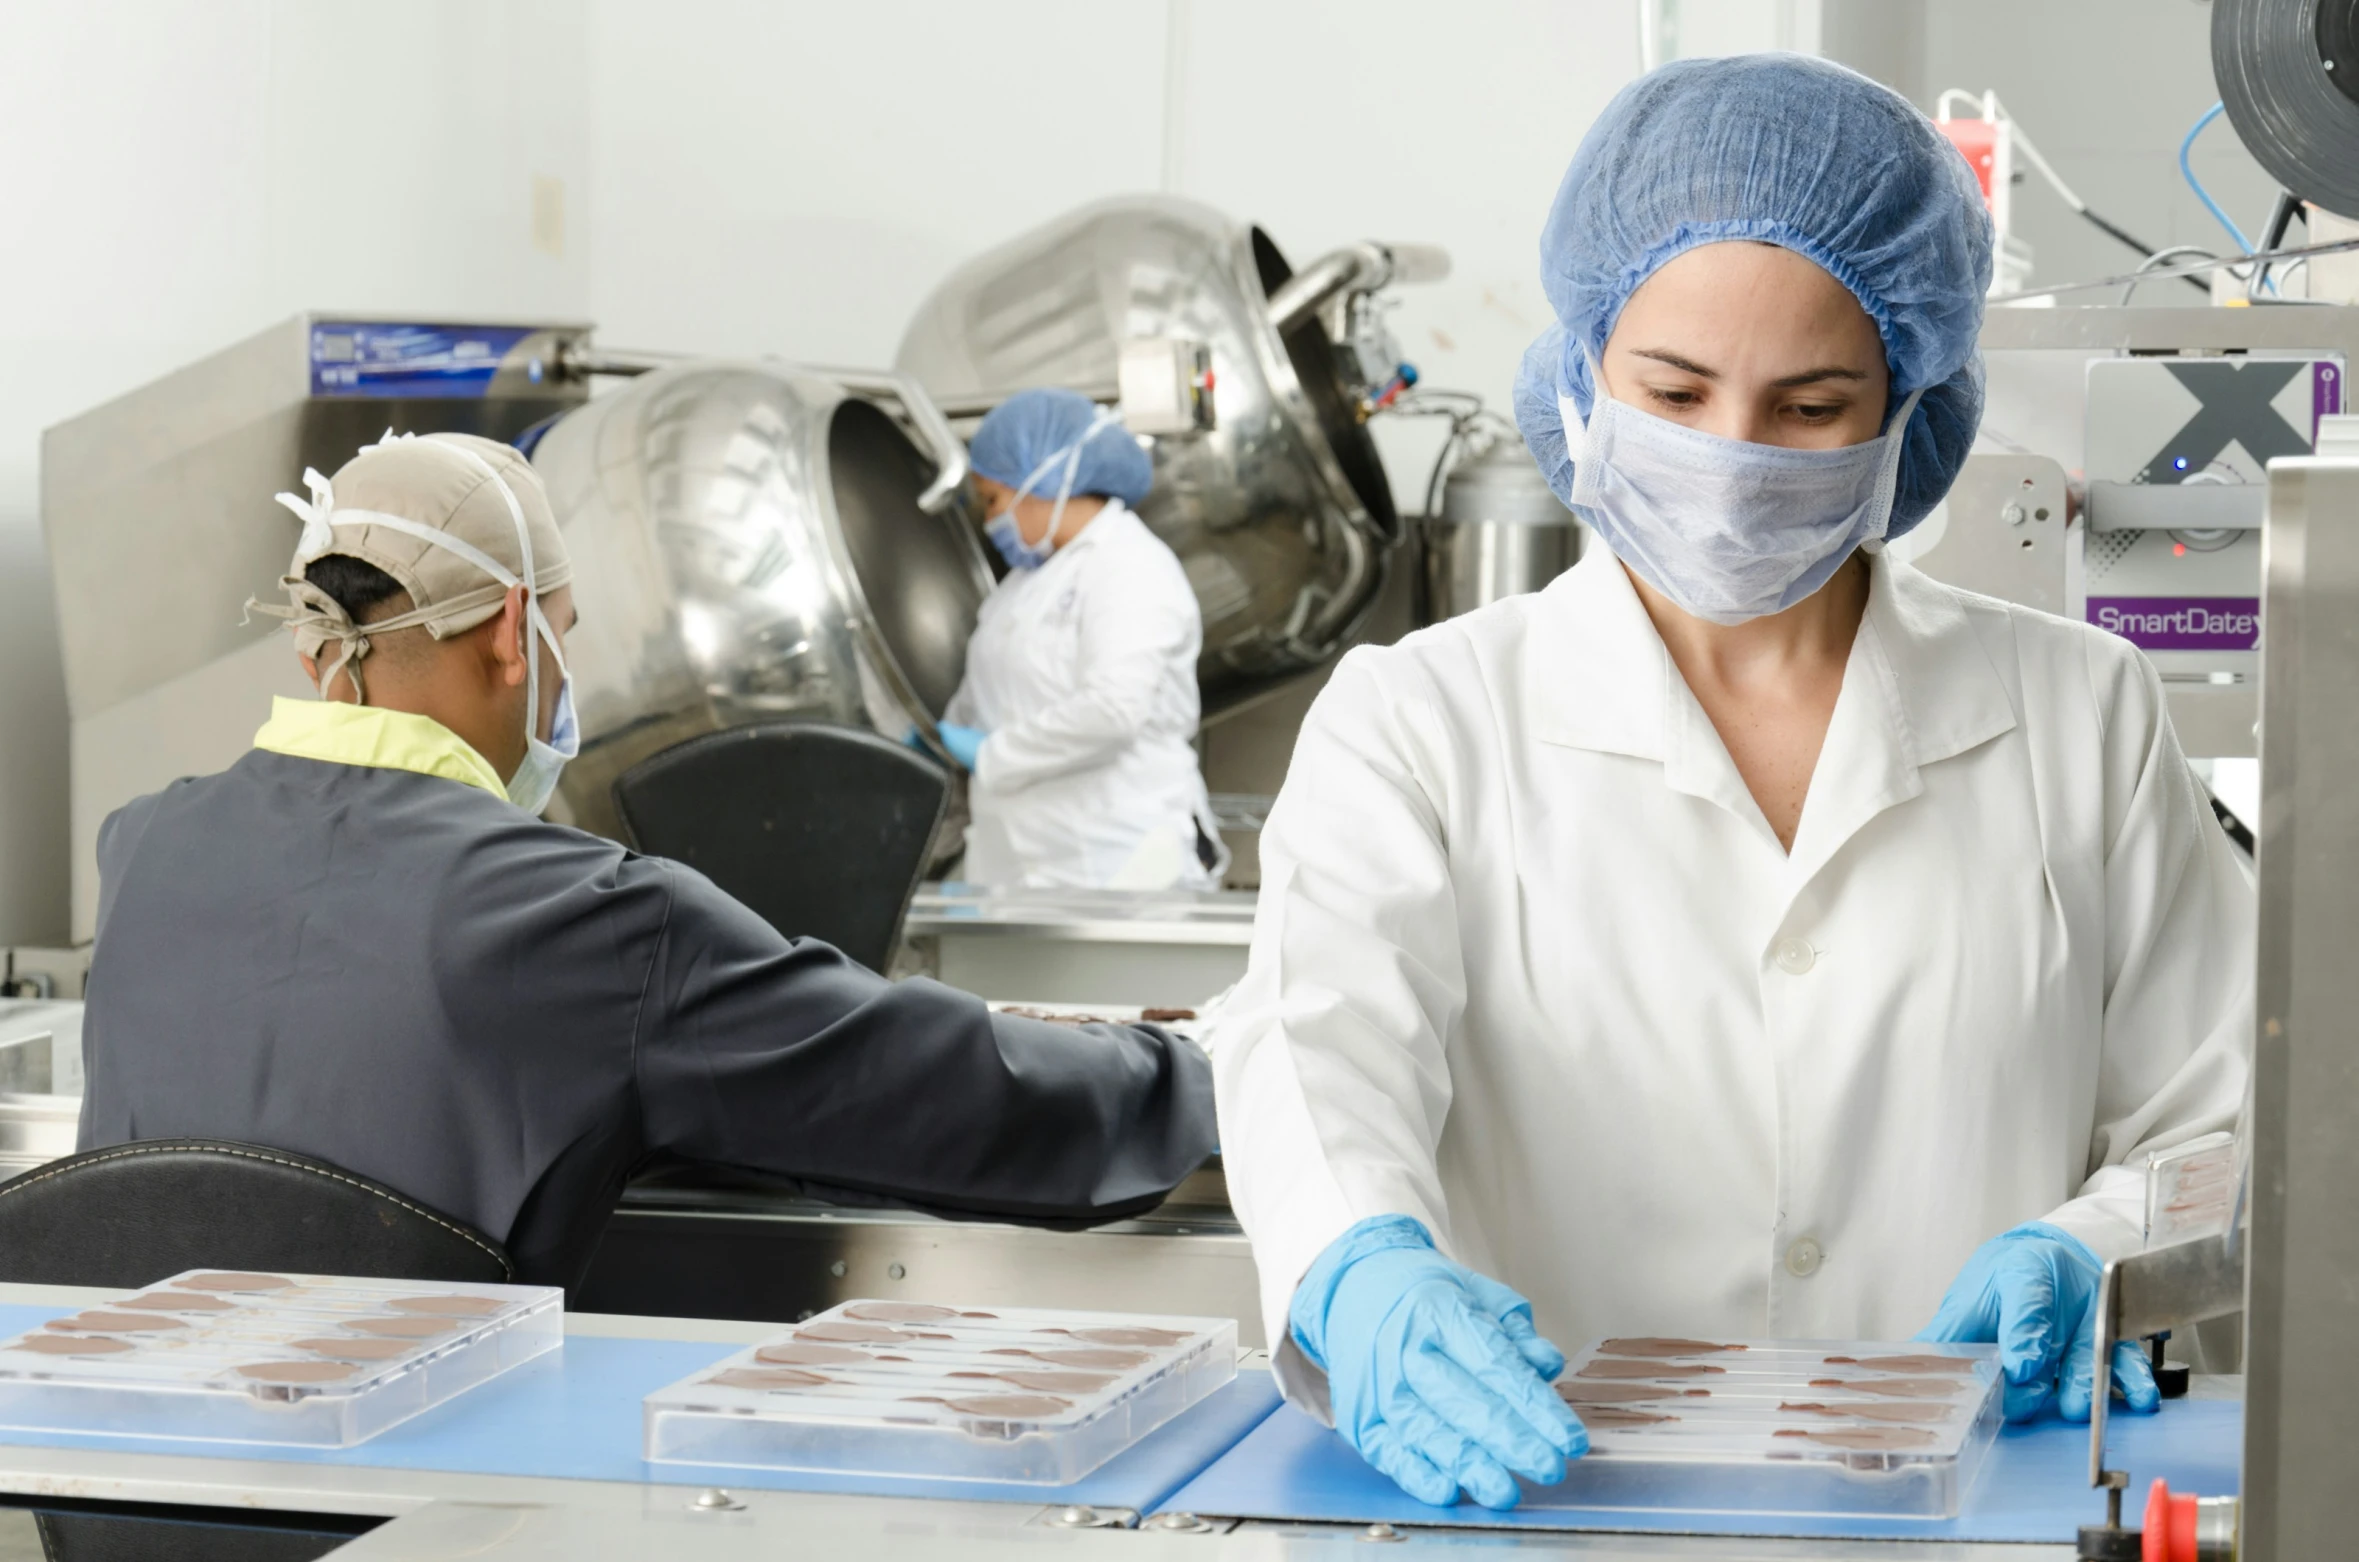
[(1023, 434), (1787, 150)]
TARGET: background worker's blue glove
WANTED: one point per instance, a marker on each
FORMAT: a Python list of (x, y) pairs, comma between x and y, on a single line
[(2033, 1292), (964, 743), (1434, 1372)]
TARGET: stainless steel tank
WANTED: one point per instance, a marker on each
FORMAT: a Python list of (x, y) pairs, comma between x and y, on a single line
[(1280, 512), (751, 541), (1501, 532)]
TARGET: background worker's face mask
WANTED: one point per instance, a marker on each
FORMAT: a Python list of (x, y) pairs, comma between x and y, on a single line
[(1727, 529), (1007, 532)]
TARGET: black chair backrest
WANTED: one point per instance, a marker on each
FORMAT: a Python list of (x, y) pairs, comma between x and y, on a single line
[(822, 830), (135, 1213)]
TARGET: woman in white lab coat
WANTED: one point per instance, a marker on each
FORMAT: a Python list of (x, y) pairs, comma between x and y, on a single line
[(1078, 710), (1747, 934)]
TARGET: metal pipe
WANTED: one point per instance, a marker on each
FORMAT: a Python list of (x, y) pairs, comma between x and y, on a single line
[(1356, 268), (974, 404), (578, 360)]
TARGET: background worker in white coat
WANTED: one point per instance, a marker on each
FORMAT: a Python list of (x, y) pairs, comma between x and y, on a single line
[(1078, 710), (1747, 935)]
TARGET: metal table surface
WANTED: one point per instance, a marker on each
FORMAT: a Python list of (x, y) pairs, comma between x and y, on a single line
[(450, 1513), (1172, 948)]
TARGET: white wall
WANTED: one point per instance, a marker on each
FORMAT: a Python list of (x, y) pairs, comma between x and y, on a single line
[(177, 174), (794, 179), (791, 176)]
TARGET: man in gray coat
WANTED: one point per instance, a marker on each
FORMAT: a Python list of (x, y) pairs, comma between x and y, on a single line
[(360, 942)]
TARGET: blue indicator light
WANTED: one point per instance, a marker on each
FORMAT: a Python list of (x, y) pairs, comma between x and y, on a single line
[(2179, 464)]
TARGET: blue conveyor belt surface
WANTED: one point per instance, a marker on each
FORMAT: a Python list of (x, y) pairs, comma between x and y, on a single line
[(2034, 1486), (574, 1414)]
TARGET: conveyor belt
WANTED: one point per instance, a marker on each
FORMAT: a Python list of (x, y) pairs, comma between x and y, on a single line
[(574, 1414), (2034, 1487)]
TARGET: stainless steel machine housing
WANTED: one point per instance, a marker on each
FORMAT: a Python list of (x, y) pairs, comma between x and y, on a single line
[(1281, 513), (749, 541), (1501, 532)]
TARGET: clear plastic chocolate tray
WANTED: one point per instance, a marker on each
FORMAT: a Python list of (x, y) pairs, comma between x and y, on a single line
[(315, 1360), (1780, 1426), (908, 1388)]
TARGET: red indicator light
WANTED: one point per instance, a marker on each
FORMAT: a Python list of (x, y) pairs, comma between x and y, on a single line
[(2178, 550)]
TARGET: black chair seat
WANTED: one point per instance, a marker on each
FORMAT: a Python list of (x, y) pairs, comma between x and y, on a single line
[(135, 1213), (821, 830)]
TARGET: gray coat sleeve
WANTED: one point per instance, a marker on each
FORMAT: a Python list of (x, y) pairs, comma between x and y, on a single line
[(790, 1058)]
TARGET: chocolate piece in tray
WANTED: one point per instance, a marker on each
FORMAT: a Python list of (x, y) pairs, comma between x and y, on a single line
[(914, 1388), (1778, 1426), (1649, 1347), (1874, 1410), (1624, 1367), (1907, 1365), (232, 1356)]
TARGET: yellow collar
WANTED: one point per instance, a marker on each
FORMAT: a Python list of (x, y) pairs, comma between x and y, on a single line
[(342, 734)]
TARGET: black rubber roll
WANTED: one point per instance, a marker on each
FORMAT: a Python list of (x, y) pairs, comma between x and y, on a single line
[(2288, 70)]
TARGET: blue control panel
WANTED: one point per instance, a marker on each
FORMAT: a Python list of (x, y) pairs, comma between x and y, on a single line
[(387, 358)]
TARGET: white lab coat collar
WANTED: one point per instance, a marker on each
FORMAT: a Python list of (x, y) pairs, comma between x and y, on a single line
[(1919, 688), (1101, 528)]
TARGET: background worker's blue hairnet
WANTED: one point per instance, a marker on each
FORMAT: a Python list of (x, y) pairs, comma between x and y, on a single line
[(1023, 434), (1785, 150)]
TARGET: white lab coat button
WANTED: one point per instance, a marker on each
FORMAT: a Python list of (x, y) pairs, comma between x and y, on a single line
[(1803, 1258), (1794, 956)]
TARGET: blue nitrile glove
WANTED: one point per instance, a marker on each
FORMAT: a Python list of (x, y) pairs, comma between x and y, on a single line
[(2033, 1292), (1434, 1372), (964, 743)]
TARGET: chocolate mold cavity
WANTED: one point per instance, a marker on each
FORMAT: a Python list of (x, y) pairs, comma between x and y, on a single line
[(796, 1353), (72, 1345), (1618, 1367), (1588, 1391), (1904, 1364), (176, 1302), (767, 1378), (1874, 1410), (234, 1280), (899, 1312), (100, 1322)]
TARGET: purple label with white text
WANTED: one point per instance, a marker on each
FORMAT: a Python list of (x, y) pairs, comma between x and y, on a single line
[(2181, 623)]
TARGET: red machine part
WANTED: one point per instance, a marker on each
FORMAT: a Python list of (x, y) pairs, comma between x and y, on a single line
[(1977, 140), (2170, 1525)]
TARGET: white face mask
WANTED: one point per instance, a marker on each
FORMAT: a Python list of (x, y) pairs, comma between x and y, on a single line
[(535, 781), (1728, 530)]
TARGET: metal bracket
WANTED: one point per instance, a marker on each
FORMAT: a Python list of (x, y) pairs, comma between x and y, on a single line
[(1080, 1516), (2144, 1294)]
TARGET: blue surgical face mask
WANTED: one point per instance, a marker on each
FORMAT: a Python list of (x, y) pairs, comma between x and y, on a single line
[(535, 781), (1728, 530), (1007, 535)]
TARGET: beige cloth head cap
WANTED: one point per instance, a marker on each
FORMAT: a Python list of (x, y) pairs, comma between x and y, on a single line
[(440, 514)]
